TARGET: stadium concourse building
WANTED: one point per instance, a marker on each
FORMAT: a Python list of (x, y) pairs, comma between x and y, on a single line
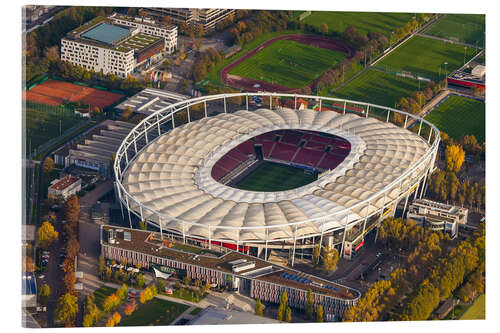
[(118, 44), (182, 175)]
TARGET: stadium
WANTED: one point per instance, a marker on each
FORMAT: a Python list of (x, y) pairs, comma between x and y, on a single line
[(253, 179)]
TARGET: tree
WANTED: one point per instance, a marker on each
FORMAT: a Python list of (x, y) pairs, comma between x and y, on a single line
[(72, 209), (323, 28), (143, 225), (130, 308), (126, 113), (140, 281), (283, 306), (259, 308), (288, 314), (110, 302), (319, 314), (309, 304), (47, 235), (48, 165), (454, 158), (69, 280), (186, 280), (28, 264), (96, 111), (66, 309), (102, 265), (44, 293), (315, 254), (132, 11), (166, 63), (330, 258), (161, 285), (91, 311), (122, 293)]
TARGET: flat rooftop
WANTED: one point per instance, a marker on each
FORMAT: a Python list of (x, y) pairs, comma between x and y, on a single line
[(106, 33), (213, 316), (64, 183), (151, 100), (144, 242)]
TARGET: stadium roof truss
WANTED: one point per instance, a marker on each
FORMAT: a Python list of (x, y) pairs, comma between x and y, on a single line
[(163, 171)]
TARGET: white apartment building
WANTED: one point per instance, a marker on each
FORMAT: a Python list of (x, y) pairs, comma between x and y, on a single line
[(150, 27), (98, 58), (110, 47)]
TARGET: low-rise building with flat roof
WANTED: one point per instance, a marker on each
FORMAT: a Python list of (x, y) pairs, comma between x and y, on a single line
[(65, 187), (151, 100), (236, 271), (214, 316)]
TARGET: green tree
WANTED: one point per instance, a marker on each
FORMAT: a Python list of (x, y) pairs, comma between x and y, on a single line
[(186, 280), (319, 314), (288, 314), (47, 235), (161, 285), (310, 304), (66, 309), (315, 254), (44, 294), (102, 265), (140, 280), (330, 258), (122, 293), (143, 225), (258, 308), (91, 311), (283, 306)]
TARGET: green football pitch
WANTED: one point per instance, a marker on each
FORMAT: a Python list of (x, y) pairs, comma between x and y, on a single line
[(363, 22), (274, 177), (426, 57), (458, 116), (380, 88), (466, 28), (45, 122), (288, 63)]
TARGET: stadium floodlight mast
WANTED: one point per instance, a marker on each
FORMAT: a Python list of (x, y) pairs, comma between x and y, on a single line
[(161, 122)]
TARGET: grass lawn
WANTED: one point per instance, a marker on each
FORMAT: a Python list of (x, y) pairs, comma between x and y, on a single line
[(477, 310), (458, 116), (271, 177), (196, 311), (101, 294), (43, 121), (363, 22), (156, 312), (187, 248), (288, 63), (424, 56), (466, 28), (380, 88), (186, 294)]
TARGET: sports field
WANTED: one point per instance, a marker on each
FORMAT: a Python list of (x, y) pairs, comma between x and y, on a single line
[(380, 88), (274, 177), (476, 310), (458, 116), (43, 121), (54, 92), (363, 22), (424, 57), (466, 28), (288, 63)]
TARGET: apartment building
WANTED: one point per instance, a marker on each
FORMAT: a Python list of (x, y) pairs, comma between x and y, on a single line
[(208, 17), (150, 27), (102, 45)]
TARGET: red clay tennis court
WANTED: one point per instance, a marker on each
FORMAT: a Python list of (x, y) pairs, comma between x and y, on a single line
[(53, 92)]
